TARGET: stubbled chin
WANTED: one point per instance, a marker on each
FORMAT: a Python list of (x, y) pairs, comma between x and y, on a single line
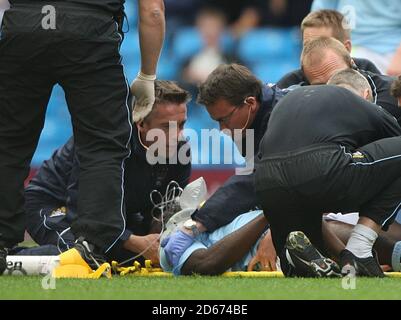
[(169, 153)]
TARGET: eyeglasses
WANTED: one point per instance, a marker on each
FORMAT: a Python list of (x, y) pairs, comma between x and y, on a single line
[(226, 119)]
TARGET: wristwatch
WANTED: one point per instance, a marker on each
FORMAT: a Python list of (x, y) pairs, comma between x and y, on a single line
[(191, 225)]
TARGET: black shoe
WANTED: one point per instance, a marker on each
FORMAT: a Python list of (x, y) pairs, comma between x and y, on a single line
[(3, 260), (365, 267), (306, 261), (87, 252)]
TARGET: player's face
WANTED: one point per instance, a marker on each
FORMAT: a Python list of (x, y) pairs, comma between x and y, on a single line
[(322, 71), (169, 120), (311, 33)]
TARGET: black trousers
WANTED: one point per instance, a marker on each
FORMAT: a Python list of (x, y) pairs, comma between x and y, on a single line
[(296, 188), (82, 55)]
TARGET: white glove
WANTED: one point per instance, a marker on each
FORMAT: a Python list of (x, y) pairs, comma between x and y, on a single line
[(143, 88)]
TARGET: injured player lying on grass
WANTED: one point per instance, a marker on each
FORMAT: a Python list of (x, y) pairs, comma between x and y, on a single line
[(239, 246)]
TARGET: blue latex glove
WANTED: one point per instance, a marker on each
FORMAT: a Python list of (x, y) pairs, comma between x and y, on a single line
[(175, 245)]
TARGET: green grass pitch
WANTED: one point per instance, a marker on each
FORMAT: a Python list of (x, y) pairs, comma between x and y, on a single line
[(203, 288)]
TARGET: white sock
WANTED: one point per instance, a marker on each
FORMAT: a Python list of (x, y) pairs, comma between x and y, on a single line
[(396, 257), (361, 241)]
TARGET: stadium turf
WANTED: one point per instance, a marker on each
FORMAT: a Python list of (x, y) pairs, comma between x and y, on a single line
[(199, 288)]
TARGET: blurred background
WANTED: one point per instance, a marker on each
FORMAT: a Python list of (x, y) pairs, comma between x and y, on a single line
[(201, 34)]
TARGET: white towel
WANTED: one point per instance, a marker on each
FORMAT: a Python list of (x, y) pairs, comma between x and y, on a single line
[(350, 218)]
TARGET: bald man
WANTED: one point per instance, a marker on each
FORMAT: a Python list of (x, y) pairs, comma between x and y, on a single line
[(322, 57)]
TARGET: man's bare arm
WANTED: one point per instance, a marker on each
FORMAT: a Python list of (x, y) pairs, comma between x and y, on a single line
[(226, 252), (152, 27), (149, 243)]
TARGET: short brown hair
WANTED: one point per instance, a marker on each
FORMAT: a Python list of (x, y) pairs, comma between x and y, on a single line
[(231, 82), (314, 49), (330, 19), (169, 91), (166, 92), (396, 88)]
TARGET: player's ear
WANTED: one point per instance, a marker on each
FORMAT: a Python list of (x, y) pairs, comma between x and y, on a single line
[(348, 45), (140, 125), (252, 103), (367, 95)]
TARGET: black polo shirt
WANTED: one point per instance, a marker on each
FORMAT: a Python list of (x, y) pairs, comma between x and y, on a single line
[(379, 83), (325, 114)]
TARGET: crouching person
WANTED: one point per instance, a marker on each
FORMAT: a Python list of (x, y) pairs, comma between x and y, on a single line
[(51, 196)]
